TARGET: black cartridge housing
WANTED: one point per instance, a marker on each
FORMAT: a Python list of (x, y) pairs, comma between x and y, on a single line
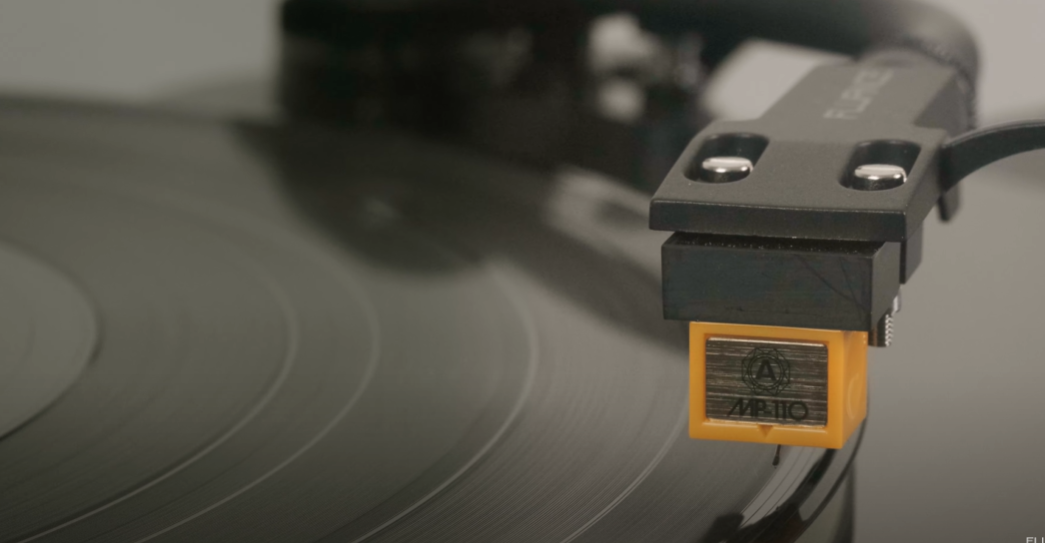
[(796, 242)]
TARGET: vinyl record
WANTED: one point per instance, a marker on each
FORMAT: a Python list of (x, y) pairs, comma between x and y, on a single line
[(231, 332)]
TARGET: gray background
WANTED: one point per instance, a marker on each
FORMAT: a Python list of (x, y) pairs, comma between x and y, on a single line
[(955, 439)]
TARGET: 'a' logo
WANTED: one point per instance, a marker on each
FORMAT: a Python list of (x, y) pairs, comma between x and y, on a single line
[(766, 371)]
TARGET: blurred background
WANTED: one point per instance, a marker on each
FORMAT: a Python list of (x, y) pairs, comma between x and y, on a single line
[(219, 56), (923, 473)]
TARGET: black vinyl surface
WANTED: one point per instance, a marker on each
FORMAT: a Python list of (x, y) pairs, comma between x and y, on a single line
[(221, 332)]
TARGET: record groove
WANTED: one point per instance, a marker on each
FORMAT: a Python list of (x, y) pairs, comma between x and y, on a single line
[(308, 336), (49, 334)]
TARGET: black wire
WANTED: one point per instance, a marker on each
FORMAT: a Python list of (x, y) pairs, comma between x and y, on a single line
[(971, 151)]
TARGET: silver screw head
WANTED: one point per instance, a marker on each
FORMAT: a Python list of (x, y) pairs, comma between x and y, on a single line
[(878, 177), (725, 169)]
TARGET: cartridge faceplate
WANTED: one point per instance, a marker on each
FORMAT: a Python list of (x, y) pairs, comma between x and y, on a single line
[(763, 381), (770, 384)]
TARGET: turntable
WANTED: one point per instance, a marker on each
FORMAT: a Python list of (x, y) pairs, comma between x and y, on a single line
[(427, 304)]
